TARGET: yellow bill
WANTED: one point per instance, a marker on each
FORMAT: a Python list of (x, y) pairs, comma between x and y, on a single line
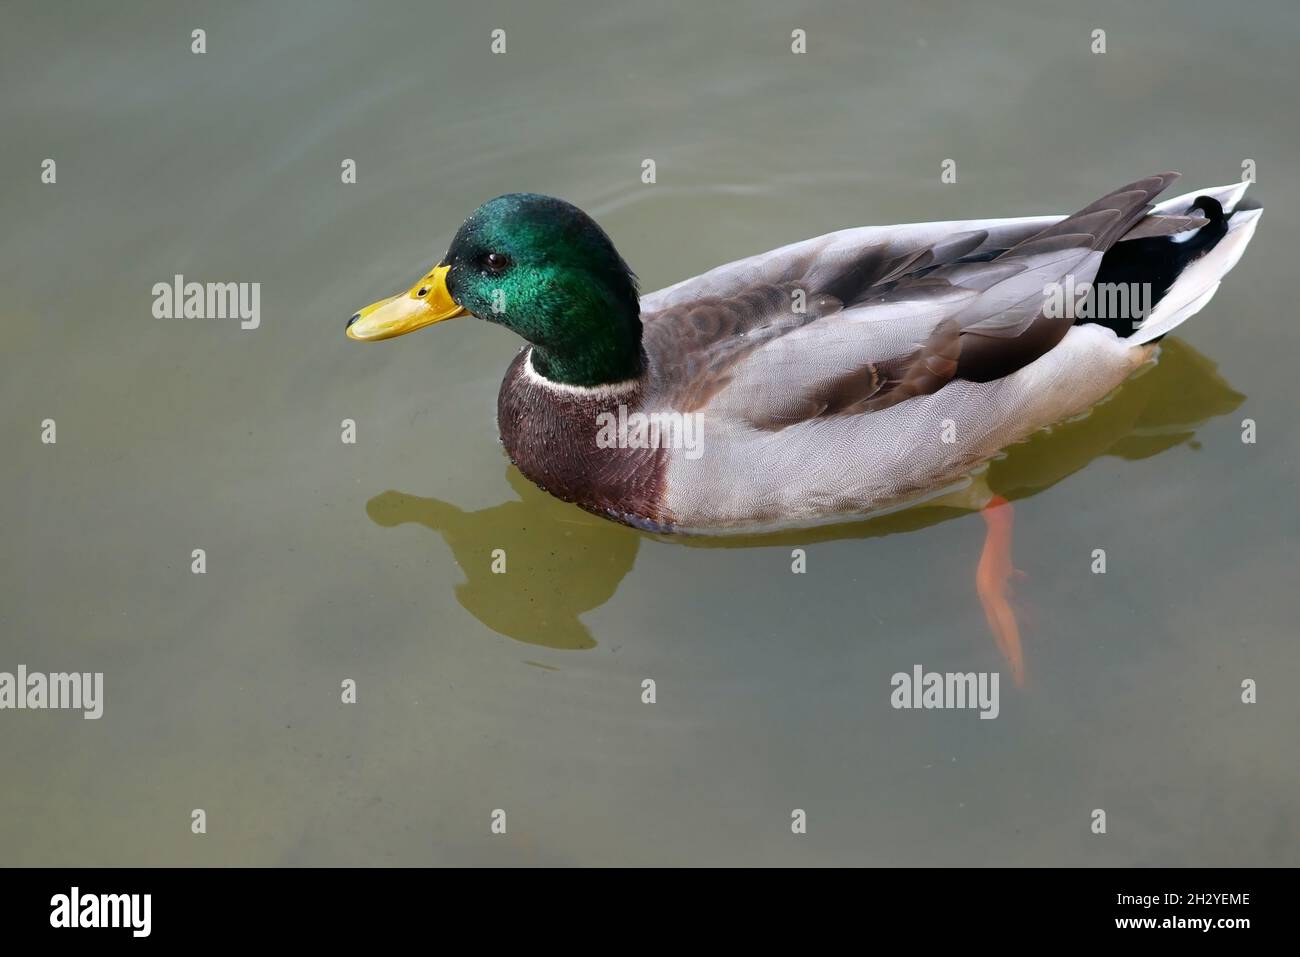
[(425, 303)]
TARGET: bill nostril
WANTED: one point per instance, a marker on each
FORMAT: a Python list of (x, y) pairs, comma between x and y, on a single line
[(354, 318)]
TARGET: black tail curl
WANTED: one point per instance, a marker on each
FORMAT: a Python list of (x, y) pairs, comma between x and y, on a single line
[(1156, 262)]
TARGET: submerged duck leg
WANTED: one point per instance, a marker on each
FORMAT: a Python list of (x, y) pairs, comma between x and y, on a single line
[(993, 583), (995, 570)]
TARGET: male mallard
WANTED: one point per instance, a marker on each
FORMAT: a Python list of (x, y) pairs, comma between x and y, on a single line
[(846, 374)]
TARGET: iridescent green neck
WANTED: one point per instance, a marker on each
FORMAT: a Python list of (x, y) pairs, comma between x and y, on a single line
[(595, 349)]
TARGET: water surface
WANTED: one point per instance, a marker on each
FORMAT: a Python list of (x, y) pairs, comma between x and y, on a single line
[(371, 561)]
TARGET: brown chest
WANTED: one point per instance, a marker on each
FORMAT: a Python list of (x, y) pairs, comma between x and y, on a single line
[(553, 434)]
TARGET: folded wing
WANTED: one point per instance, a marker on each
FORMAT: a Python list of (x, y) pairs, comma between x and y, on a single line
[(857, 321)]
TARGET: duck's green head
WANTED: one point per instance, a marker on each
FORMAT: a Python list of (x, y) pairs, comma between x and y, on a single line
[(541, 267)]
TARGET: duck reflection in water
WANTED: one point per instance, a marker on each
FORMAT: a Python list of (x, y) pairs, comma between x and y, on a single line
[(540, 599), (539, 602)]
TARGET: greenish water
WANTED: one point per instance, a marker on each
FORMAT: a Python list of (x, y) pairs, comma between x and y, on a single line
[(522, 691)]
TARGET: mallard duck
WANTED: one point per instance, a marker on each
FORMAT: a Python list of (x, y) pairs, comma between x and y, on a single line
[(840, 376)]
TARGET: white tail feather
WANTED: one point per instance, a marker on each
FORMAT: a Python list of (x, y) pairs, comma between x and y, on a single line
[(1228, 196)]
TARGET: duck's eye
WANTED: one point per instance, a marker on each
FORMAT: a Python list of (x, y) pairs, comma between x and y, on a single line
[(424, 291), (496, 262)]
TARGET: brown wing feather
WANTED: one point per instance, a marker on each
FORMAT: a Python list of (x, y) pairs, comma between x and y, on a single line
[(874, 385)]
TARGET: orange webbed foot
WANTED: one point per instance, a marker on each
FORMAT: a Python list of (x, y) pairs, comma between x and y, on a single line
[(993, 583)]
